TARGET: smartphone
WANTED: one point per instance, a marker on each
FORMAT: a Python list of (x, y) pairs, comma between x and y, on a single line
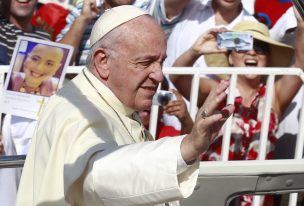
[(235, 40), (299, 4), (163, 97)]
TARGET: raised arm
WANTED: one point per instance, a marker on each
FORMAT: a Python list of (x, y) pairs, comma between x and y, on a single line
[(75, 29), (287, 87), (207, 124), (205, 44)]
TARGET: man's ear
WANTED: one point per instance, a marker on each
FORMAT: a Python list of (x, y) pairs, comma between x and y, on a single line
[(100, 59)]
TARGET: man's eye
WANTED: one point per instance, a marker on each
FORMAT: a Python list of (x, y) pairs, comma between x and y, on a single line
[(145, 63)]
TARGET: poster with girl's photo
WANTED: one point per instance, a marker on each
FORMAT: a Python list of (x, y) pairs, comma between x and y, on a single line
[(37, 71)]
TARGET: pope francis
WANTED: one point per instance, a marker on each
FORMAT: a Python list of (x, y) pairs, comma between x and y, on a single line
[(89, 147)]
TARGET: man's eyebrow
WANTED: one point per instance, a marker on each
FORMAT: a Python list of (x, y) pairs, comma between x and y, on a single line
[(148, 57)]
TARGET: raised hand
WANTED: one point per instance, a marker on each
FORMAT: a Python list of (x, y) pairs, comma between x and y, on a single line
[(207, 124), (207, 44), (90, 9), (179, 109)]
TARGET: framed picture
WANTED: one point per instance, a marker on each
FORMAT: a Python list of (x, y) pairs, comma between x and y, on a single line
[(37, 71)]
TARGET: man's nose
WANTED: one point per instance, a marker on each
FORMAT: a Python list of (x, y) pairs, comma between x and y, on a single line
[(157, 73)]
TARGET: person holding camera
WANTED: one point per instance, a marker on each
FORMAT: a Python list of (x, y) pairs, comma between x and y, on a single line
[(178, 108), (173, 118), (251, 89), (198, 17)]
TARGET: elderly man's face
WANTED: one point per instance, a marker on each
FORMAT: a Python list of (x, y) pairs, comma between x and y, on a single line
[(137, 70)]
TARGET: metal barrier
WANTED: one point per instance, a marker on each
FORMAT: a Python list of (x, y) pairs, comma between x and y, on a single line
[(270, 72), (221, 182), (291, 171), (234, 72)]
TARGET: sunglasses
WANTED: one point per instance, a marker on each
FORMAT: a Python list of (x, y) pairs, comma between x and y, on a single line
[(259, 47)]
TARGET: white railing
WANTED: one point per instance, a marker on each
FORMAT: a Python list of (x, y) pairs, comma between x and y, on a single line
[(271, 72), (220, 182), (233, 72)]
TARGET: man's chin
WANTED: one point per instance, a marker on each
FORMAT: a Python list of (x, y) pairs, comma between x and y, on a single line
[(146, 106)]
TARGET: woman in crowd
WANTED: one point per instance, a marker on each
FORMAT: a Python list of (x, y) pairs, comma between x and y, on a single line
[(250, 95)]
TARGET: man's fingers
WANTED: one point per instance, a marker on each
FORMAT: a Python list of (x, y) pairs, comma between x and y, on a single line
[(210, 120), (227, 111), (216, 96), (221, 116), (222, 86)]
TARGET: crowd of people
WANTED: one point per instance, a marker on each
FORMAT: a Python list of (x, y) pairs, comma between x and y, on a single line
[(87, 129)]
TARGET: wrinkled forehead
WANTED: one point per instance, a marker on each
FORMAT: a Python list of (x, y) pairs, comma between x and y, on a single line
[(147, 38)]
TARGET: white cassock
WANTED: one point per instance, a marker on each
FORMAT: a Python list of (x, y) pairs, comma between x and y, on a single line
[(87, 150)]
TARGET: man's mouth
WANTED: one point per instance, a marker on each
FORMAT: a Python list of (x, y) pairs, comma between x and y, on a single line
[(151, 88)]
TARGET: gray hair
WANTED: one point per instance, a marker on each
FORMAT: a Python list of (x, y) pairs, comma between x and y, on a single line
[(110, 42)]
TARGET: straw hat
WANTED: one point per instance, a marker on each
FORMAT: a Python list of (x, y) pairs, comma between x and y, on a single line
[(280, 54)]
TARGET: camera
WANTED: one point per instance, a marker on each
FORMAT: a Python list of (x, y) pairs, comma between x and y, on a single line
[(235, 40), (163, 97)]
